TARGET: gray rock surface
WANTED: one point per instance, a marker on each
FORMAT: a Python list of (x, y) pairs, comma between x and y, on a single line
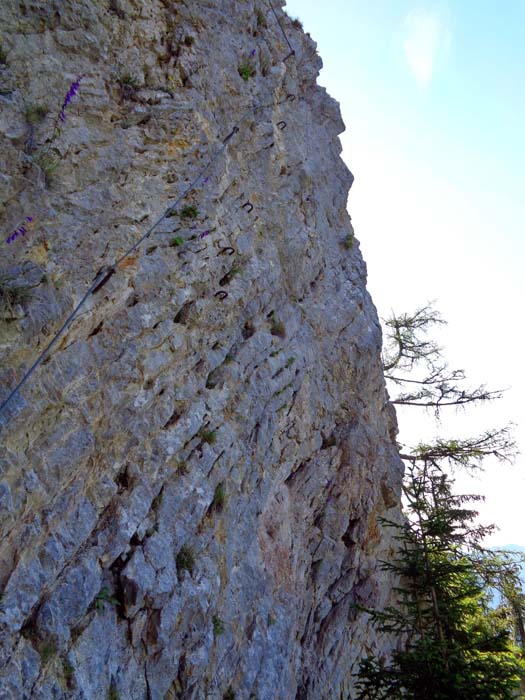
[(189, 486)]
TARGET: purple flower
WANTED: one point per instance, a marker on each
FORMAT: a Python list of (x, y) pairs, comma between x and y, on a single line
[(252, 54), (73, 89), (206, 179), (204, 234), (20, 231)]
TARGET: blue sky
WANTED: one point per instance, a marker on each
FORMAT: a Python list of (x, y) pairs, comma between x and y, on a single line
[(433, 98)]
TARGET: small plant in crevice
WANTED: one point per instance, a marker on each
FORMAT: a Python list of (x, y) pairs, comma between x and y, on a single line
[(246, 70), (229, 694), (349, 241), (189, 212), (73, 90), (68, 673), (271, 620), (218, 626), (277, 328), (47, 164), (12, 295), (182, 468), (20, 230), (185, 560), (3, 56), (129, 85), (209, 436), (289, 362), (104, 597), (129, 80), (274, 353), (285, 388), (47, 651), (36, 113), (176, 241), (296, 23), (61, 117), (261, 19), (219, 498)]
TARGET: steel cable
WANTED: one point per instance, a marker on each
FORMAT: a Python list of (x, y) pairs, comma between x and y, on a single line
[(107, 271)]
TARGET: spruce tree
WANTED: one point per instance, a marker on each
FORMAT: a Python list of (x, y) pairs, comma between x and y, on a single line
[(452, 646), (454, 643)]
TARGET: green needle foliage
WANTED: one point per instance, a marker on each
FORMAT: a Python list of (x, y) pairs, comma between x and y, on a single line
[(456, 646), (414, 362), (453, 641)]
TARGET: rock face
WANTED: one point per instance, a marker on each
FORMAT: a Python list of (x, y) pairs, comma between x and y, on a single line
[(190, 484)]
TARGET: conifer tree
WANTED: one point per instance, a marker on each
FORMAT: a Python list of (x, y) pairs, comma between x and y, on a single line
[(452, 645), (453, 642), (414, 365)]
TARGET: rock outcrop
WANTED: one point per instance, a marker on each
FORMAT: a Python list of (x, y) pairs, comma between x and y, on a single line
[(191, 480)]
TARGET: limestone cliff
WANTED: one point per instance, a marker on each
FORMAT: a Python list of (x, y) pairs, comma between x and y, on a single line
[(191, 480)]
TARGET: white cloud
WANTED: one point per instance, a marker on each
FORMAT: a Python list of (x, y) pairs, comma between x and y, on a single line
[(427, 39)]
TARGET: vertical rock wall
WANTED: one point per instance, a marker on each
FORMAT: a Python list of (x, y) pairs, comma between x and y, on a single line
[(190, 485)]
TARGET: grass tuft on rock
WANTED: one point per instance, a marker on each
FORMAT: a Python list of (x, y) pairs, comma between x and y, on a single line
[(185, 560), (12, 295)]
